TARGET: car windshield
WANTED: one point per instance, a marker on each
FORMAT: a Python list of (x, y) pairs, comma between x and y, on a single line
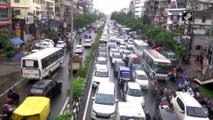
[(117, 56), (135, 92), (101, 74), (171, 56), (195, 112), (141, 77), (102, 62), (105, 99), (36, 90), (78, 47), (103, 55), (102, 50)]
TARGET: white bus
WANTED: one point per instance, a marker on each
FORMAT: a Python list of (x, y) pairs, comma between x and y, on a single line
[(42, 63), (139, 46), (155, 64)]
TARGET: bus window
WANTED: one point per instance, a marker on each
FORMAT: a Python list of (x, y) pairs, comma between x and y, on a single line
[(30, 63)]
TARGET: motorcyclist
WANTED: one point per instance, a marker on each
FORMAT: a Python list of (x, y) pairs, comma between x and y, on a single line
[(7, 111), (12, 97), (148, 116), (173, 74)]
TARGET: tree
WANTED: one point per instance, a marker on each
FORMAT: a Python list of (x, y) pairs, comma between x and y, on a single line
[(165, 38), (181, 51), (8, 48), (50, 33), (152, 32), (84, 19)]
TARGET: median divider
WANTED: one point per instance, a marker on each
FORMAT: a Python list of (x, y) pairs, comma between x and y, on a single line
[(82, 82)]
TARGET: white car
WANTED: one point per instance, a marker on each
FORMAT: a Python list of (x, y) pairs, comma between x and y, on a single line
[(51, 43), (34, 50), (116, 57), (114, 50), (87, 42), (41, 43), (122, 48), (140, 77), (104, 102), (133, 93), (79, 49), (100, 75), (61, 44), (101, 62), (187, 107)]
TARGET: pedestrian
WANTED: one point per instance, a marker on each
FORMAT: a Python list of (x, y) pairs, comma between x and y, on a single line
[(148, 116), (197, 60)]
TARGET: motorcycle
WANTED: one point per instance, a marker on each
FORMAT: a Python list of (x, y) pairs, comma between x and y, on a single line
[(7, 111)]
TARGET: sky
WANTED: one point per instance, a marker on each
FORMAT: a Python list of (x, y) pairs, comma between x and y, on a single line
[(109, 6)]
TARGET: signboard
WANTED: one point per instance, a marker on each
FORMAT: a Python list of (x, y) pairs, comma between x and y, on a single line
[(4, 6), (29, 19), (187, 16), (18, 33), (17, 26)]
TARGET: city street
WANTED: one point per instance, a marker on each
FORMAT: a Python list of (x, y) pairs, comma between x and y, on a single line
[(23, 86), (149, 95)]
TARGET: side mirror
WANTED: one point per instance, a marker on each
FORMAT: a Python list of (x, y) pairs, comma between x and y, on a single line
[(181, 111), (93, 98), (116, 100)]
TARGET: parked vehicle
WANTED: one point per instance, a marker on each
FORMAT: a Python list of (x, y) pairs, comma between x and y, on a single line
[(61, 44), (79, 49), (130, 111), (87, 42), (47, 88), (33, 108), (169, 55), (124, 75)]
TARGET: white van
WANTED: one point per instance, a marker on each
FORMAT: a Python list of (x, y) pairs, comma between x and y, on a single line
[(104, 102), (130, 111)]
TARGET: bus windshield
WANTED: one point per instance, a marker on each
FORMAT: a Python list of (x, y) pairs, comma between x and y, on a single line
[(162, 68)]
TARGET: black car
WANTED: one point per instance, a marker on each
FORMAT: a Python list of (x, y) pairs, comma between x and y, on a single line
[(48, 88), (166, 114)]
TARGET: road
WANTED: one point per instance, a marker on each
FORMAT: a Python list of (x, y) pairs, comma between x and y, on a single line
[(22, 86), (149, 95)]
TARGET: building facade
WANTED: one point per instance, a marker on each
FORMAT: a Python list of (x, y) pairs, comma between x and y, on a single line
[(5, 14)]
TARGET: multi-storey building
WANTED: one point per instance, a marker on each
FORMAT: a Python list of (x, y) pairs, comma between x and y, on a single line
[(5, 14), (137, 7)]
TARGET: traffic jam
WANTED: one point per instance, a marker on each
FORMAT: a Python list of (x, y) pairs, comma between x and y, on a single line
[(128, 67)]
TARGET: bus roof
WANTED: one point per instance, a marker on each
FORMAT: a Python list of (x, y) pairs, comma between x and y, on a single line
[(140, 42), (157, 57), (42, 53), (33, 105)]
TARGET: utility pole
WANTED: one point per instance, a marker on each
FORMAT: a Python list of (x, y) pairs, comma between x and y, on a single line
[(71, 58)]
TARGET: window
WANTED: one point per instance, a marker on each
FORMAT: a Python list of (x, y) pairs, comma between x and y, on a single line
[(17, 12), (57, 9), (4, 14), (3, 1), (203, 19), (17, 1), (198, 47), (180, 104)]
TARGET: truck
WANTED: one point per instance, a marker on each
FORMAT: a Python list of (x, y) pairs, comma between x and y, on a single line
[(76, 62), (130, 111), (134, 62), (124, 75)]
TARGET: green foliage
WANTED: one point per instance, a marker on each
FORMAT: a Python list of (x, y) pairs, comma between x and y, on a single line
[(50, 33), (166, 38), (152, 32), (78, 87), (84, 19), (63, 117), (9, 49), (181, 50)]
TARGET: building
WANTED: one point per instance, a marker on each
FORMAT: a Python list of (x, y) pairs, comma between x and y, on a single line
[(5, 14), (62, 13), (137, 7)]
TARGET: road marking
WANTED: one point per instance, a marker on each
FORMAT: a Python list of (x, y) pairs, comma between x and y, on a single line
[(121, 93), (11, 87), (65, 105), (87, 103), (54, 75)]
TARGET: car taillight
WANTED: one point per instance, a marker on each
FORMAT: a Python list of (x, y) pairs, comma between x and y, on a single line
[(45, 94)]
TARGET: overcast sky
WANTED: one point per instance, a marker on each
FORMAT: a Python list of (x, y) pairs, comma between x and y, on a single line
[(109, 6)]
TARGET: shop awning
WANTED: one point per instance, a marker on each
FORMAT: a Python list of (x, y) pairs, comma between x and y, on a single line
[(16, 41)]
